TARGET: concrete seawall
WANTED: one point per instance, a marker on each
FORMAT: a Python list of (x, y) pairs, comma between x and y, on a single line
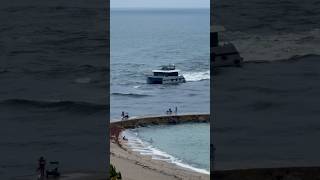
[(159, 120)]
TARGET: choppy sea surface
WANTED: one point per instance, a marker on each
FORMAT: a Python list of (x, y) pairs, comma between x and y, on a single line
[(53, 79), (144, 39), (267, 111), (177, 144), (270, 30)]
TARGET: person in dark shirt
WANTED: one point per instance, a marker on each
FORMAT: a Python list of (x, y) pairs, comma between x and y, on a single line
[(41, 166), (122, 115)]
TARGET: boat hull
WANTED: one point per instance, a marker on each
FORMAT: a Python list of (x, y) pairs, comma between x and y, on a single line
[(165, 80)]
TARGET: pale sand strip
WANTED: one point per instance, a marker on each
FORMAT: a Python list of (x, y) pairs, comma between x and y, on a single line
[(134, 166)]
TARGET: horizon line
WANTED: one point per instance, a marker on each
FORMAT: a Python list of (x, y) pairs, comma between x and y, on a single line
[(153, 8)]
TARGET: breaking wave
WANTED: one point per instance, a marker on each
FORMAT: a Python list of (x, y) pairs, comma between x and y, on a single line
[(135, 95), (57, 105), (254, 47), (197, 76), (145, 148)]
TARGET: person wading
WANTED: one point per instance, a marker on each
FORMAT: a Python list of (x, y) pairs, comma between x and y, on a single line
[(41, 167), (122, 115)]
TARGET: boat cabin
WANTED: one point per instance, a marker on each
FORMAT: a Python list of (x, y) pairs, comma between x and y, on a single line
[(166, 75), (223, 53)]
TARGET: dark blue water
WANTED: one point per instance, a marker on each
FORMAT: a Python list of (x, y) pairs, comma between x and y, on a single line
[(53, 80), (270, 30), (267, 114), (143, 40)]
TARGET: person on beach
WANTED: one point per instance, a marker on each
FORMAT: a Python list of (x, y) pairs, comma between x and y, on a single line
[(41, 167), (170, 111), (176, 110), (122, 115)]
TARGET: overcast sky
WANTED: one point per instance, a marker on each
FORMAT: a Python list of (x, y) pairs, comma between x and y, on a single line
[(159, 3)]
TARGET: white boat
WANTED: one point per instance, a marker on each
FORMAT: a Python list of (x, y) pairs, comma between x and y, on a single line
[(166, 75), (223, 53)]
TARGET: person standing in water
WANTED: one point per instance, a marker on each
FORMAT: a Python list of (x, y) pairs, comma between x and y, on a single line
[(41, 166), (176, 110), (122, 115)]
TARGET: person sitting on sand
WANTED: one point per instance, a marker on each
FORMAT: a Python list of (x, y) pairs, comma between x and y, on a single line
[(126, 116)]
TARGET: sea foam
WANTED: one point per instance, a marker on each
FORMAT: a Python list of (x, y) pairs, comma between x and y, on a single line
[(146, 148), (197, 76)]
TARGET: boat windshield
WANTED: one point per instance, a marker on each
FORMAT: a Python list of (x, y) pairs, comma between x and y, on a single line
[(165, 73), (168, 67)]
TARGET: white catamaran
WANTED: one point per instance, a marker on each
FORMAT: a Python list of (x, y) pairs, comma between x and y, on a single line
[(166, 75)]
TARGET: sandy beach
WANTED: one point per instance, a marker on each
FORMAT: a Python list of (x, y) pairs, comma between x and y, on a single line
[(134, 166)]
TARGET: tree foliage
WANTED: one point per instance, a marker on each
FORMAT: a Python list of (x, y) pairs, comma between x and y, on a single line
[(114, 175)]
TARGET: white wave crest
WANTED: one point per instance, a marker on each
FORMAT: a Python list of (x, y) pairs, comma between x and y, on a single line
[(254, 47), (197, 76), (145, 148)]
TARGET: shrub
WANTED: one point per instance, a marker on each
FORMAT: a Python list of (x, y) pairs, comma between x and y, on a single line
[(114, 175)]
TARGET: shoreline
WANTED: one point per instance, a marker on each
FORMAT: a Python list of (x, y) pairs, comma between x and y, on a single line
[(155, 153), (134, 166)]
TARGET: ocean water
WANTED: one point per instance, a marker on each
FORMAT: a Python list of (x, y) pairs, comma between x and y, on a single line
[(141, 41), (270, 30), (53, 77), (267, 111), (186, 145)]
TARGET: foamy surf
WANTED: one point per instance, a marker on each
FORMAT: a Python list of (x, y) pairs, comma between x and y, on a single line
[(196, 76), (145, 148), (276, 46)]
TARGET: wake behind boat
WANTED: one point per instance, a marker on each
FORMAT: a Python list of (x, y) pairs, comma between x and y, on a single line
[(168, 74)]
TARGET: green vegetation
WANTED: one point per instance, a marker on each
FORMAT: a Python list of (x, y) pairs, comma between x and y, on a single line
[(114, 175)]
